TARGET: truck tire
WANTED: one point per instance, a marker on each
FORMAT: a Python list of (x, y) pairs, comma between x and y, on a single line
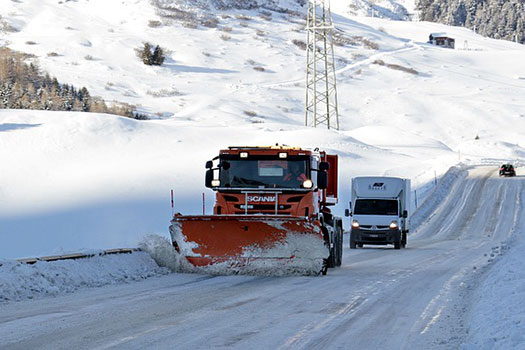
[(324, 269), (332, 258), (339, 244), (397, 245)]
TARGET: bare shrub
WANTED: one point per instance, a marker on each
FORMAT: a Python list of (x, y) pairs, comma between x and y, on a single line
[(250, 113), (88, 58), (225, 16), (259, 69), (243, 24), (30, 42), (165, 93), (207, 54), (243, 18), (251, 62), (225, 37), (190, 25), (381, 29), (266, 15), (52, 54), (209, 22), (300, 44), (403, 69), (226, 29), (369, 44), (260, 32), (396, 67), (154, 23)]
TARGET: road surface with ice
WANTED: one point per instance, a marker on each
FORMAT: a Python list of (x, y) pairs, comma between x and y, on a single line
[(380, 298)]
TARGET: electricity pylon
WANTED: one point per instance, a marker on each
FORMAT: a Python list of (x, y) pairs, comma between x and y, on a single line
[(321, 88)]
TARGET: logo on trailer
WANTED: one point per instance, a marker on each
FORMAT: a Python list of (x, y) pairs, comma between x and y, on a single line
[(261, 199), (377, 186)]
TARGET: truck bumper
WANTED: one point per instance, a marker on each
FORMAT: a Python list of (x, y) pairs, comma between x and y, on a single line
[(379, 237)]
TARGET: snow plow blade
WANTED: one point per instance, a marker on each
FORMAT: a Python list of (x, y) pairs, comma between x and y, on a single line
[(225, 244)]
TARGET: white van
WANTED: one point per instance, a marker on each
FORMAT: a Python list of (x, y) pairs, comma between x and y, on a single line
[(379, 211)]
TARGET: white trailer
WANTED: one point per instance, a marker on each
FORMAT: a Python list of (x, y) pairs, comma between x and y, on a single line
[(379, 210)]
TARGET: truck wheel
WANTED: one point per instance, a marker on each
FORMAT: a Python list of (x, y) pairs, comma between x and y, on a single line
[(397, 245), (339, 244), (324, 269), (359, 245)]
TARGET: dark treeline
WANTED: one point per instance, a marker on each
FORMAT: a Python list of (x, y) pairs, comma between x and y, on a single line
[(499, 19), (24, 86)]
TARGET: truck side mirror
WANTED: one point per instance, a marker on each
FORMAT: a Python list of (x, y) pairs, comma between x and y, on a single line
[(209, 164), (405, 214), (322, 180), (209, 178), (323, 166), (348, 212)]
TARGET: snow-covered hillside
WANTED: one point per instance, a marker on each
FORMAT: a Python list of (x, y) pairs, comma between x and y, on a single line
[(70, 175)]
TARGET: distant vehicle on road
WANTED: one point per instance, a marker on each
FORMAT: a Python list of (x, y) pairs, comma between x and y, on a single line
[(507, 170)]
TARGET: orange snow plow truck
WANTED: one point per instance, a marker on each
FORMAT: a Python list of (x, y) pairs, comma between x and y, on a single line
[(271, 212)]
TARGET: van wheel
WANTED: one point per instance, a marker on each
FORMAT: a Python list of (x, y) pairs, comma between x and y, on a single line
[(404, 240), (397, 245), (352, 241)]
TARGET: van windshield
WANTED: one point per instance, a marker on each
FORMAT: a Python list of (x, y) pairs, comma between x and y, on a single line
[(376, 207)]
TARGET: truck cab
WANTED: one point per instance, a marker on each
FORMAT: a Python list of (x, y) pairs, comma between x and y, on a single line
[(379, 211), (276, 180)]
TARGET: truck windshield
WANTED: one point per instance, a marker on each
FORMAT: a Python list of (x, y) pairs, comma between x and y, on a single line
[(376, 207), (263, 173)]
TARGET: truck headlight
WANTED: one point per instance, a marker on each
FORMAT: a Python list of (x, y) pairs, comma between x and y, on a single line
[(355, 224), (308, 184), (215, 183), (394, 225)]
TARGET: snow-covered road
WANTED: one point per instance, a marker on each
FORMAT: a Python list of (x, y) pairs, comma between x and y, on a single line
[(412, 298)]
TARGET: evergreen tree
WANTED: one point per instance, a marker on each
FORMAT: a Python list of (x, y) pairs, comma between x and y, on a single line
[(158, 57)]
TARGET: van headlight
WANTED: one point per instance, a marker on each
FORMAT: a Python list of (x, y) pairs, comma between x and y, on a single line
[(394, 225), (355, 224)]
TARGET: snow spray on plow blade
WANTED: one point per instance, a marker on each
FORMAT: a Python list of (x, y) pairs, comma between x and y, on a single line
[(250, 244)]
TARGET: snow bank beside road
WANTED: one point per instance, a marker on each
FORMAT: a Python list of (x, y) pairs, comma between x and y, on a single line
[(498, 317), (20, 281)]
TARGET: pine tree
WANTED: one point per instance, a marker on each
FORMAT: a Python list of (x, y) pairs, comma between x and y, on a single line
[(158, 57)]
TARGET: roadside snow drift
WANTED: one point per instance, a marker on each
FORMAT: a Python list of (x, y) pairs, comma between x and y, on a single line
[(20, 281)]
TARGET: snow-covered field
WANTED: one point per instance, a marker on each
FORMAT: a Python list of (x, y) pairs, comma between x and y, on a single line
[(80, 182)]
